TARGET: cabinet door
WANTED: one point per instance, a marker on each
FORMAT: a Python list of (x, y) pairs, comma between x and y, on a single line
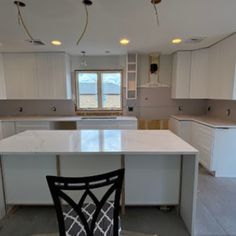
[(2, 204), (203, 139), (44, 76), (227, 70), (53, 76), (199, 74), (2, 80), (181, 75), (19, 70), (181, 128), (21, 126)]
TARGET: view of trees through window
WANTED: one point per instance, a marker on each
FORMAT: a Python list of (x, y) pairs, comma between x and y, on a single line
[(99, 90)]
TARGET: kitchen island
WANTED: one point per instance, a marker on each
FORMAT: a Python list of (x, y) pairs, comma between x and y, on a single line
[(160, 167)]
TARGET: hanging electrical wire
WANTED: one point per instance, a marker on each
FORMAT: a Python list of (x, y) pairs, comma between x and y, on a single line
[(156, 13), (22, 23), (85, 26)]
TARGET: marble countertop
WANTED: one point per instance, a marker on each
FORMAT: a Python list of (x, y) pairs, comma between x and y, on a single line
[(95, 142), (66, 118), (207, 120)]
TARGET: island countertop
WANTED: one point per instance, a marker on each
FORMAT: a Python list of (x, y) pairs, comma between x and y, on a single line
[(95, 142), (66, 118)]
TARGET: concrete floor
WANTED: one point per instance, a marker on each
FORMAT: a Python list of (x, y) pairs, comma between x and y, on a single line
[(216, 214)]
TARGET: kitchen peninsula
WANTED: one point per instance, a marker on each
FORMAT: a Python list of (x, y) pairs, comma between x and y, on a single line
[(160, 167)]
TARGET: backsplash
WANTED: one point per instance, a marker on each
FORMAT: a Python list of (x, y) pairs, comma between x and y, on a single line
[(225, 109), (152, 103), (156, 103), (36, 107)]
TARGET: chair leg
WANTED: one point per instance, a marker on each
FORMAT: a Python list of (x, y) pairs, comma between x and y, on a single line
[(123, 187)]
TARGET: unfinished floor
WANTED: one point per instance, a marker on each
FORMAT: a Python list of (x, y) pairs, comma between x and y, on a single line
[(216, 214)]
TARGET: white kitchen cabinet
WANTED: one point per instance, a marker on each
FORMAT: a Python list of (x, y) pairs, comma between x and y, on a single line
[(111, 123), (222, 70), (20, 78), (214, 73), (131, 75), (227, 68), (215, 145), (53, 76), (2, 203), (199, 74), (21, 126), (181, 71), (37, 75), (181, 128), (203, 139), (28, 172), (2, 80)]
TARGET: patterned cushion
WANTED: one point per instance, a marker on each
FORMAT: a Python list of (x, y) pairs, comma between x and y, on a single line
[(103, 226)]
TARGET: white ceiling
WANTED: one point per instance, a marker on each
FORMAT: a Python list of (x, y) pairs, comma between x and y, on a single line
[(110, 20)]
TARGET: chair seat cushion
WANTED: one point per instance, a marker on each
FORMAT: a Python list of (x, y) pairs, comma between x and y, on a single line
[(103, 226)]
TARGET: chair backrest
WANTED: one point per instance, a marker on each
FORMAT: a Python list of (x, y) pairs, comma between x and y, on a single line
[(113, 183)]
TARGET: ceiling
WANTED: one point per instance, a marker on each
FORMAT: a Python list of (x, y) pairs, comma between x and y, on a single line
[(111, 20)]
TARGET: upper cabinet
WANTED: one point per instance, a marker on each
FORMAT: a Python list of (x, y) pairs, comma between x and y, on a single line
[(2, 80), (20, 78), (206, 73), (37, 76), (53, 76), (199, 74), (222, 69), (131, 75), (181, 74)]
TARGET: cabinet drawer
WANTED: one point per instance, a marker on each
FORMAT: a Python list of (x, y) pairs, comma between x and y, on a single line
[(203, 140)]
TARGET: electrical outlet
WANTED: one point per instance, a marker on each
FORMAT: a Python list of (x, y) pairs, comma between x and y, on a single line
[(130, 109), (228, 112)]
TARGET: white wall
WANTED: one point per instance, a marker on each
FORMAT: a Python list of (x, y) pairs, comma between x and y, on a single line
[(165, 69), (119, 62)]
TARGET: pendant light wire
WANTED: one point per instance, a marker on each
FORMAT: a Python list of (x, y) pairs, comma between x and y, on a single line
[(156, 13), (85, 26), (22, 23)]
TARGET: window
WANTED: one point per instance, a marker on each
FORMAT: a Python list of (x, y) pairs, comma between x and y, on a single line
[(99, 90)]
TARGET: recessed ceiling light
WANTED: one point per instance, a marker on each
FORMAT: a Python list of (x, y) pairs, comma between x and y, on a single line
[(124, 41), (56, 42), (176, 41)]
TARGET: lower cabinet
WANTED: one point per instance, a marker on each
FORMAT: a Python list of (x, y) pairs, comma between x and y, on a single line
[(182, 129), (215, 145), (24, 177), (2, 204), (106, 124)]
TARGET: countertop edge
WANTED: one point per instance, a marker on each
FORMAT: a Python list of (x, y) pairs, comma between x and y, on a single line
[(207, 123)]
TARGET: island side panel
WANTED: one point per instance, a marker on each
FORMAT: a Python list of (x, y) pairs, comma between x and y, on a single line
[(188, 197), (25, 178), (152, 179), (88, 165)]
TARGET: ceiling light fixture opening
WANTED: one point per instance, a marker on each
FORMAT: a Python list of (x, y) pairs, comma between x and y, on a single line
[(177, 41), (124, 41), (87, 2), (56, 42)]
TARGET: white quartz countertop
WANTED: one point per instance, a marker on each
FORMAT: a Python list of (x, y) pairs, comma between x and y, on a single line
[(95, 142), (66, 118), (207, 120)]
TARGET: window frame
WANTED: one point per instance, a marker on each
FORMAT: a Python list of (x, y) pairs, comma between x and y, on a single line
[(99, 91)]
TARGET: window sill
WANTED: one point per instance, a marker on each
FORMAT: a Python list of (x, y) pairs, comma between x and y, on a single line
[(99, 113)]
